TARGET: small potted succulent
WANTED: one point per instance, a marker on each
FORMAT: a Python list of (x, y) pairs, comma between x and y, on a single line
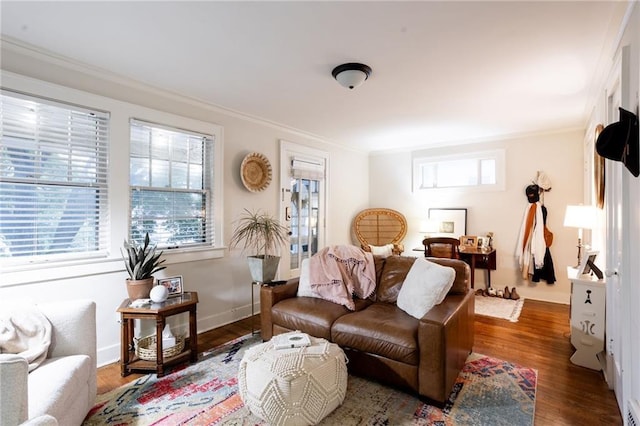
[(264, 235), (141, 261)]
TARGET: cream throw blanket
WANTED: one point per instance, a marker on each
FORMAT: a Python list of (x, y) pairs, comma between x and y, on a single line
[(26, 332), (338, 272), (533, 247)]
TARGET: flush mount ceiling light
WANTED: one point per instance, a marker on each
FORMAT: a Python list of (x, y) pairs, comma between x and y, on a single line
[(351, 75)]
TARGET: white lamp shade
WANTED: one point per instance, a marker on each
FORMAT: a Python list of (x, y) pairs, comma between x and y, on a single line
[(429, 226), (580, 217)]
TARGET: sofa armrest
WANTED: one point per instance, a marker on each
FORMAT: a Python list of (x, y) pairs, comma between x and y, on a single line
[(269, 296), (43, 420), (73, 332), (14, 371), (445, 339)]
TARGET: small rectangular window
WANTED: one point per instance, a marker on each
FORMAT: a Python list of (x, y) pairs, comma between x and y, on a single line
[(171, 186), (53, 180), (469, 170)]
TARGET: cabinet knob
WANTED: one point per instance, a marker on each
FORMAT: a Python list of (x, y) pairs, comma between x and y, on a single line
[(611, 272)]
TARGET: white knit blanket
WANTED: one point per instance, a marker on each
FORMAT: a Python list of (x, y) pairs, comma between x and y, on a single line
[(26, 332)]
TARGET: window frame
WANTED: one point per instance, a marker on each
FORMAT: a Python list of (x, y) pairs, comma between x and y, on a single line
[(69, 140), (207, 174), (498, 155), (118, 183)]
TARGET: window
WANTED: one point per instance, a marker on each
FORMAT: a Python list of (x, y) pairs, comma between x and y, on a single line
[(53, 180), (471, 170), (171, 186)]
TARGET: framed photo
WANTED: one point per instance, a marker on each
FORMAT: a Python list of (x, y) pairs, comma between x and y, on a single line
[(173, 284), (587, 264), (469, 241), (449, 222)]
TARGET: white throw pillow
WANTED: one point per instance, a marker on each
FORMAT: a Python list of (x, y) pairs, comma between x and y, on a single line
[(304, 284), (384, 251), (425, 286)]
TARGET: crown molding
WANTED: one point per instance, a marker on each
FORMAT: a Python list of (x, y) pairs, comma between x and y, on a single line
[(48, 57)]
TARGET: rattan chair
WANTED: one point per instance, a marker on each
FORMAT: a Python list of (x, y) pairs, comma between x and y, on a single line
[(379, 227)]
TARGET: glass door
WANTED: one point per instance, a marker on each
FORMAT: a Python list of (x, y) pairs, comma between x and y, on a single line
[(303, 180), (305, 196)]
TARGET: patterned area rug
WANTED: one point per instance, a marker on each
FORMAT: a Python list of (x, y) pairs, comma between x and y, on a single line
[(487, 392), (498, 307)]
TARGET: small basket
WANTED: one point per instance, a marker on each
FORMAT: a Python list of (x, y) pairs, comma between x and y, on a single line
[(146, 348)]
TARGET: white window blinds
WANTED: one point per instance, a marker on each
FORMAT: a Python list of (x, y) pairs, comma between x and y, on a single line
[(53, 180), (305, 168), (171, 185)]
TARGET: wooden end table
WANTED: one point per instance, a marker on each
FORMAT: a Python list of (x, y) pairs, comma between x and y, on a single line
[(158, 312), (481, 259)]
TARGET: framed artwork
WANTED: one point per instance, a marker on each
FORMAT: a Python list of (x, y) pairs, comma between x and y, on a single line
[(469, 241), (587, 264), (173, 284), (598, 170), (449, 222)]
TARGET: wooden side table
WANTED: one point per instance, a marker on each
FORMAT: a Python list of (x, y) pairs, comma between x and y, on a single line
[(158, 312), (481, 259)]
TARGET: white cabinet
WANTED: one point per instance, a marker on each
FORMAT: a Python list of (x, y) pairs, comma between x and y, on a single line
[(588, 321)]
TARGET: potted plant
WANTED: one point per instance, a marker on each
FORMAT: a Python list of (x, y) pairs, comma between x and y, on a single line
[(264, 235), (141, 261)]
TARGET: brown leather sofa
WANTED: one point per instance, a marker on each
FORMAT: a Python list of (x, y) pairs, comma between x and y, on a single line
[(382, 341)]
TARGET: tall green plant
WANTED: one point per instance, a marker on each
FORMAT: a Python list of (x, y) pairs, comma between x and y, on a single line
[(141, 261), (259, 232)]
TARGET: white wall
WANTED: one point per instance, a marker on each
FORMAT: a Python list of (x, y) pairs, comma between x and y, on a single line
[(223, 284), (559, 155)]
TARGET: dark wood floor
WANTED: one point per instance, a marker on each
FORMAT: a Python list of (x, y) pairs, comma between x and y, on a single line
[(567, 394)]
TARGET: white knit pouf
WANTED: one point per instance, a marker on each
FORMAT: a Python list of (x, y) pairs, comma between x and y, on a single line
[(299, 386)]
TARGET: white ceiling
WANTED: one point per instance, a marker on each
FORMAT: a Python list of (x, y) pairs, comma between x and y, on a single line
[(443, 72)]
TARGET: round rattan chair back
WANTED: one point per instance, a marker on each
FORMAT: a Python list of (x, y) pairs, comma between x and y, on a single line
[(379, 227)]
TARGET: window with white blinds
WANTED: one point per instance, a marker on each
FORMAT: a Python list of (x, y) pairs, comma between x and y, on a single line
[(171, 173), (53, 180)]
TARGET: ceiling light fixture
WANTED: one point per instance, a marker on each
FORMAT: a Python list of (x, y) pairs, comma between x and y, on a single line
[(351, 75)]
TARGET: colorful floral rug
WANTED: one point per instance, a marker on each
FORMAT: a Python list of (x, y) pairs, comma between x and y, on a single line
[(488, 392)]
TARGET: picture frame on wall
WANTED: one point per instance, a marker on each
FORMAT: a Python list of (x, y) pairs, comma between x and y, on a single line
[(173, 284), (448, 222)]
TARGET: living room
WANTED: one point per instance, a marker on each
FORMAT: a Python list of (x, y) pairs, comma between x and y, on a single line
[(383, 178)]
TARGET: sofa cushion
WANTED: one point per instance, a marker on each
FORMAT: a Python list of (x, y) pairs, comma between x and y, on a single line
[(381, 329), (425, 286), (462, 282), (384, 251), (304, 284), (394, 272), (307, 314), (60, 386)]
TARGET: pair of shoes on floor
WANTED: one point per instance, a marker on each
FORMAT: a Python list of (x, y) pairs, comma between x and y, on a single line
[(482, 292), (513, 294)]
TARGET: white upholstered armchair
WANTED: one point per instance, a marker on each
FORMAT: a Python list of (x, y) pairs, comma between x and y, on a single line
[(63, 388)]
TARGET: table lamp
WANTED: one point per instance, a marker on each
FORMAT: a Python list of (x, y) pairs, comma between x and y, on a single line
[(580, 217)]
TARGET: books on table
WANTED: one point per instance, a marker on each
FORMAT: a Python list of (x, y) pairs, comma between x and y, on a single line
[(291, 340)]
